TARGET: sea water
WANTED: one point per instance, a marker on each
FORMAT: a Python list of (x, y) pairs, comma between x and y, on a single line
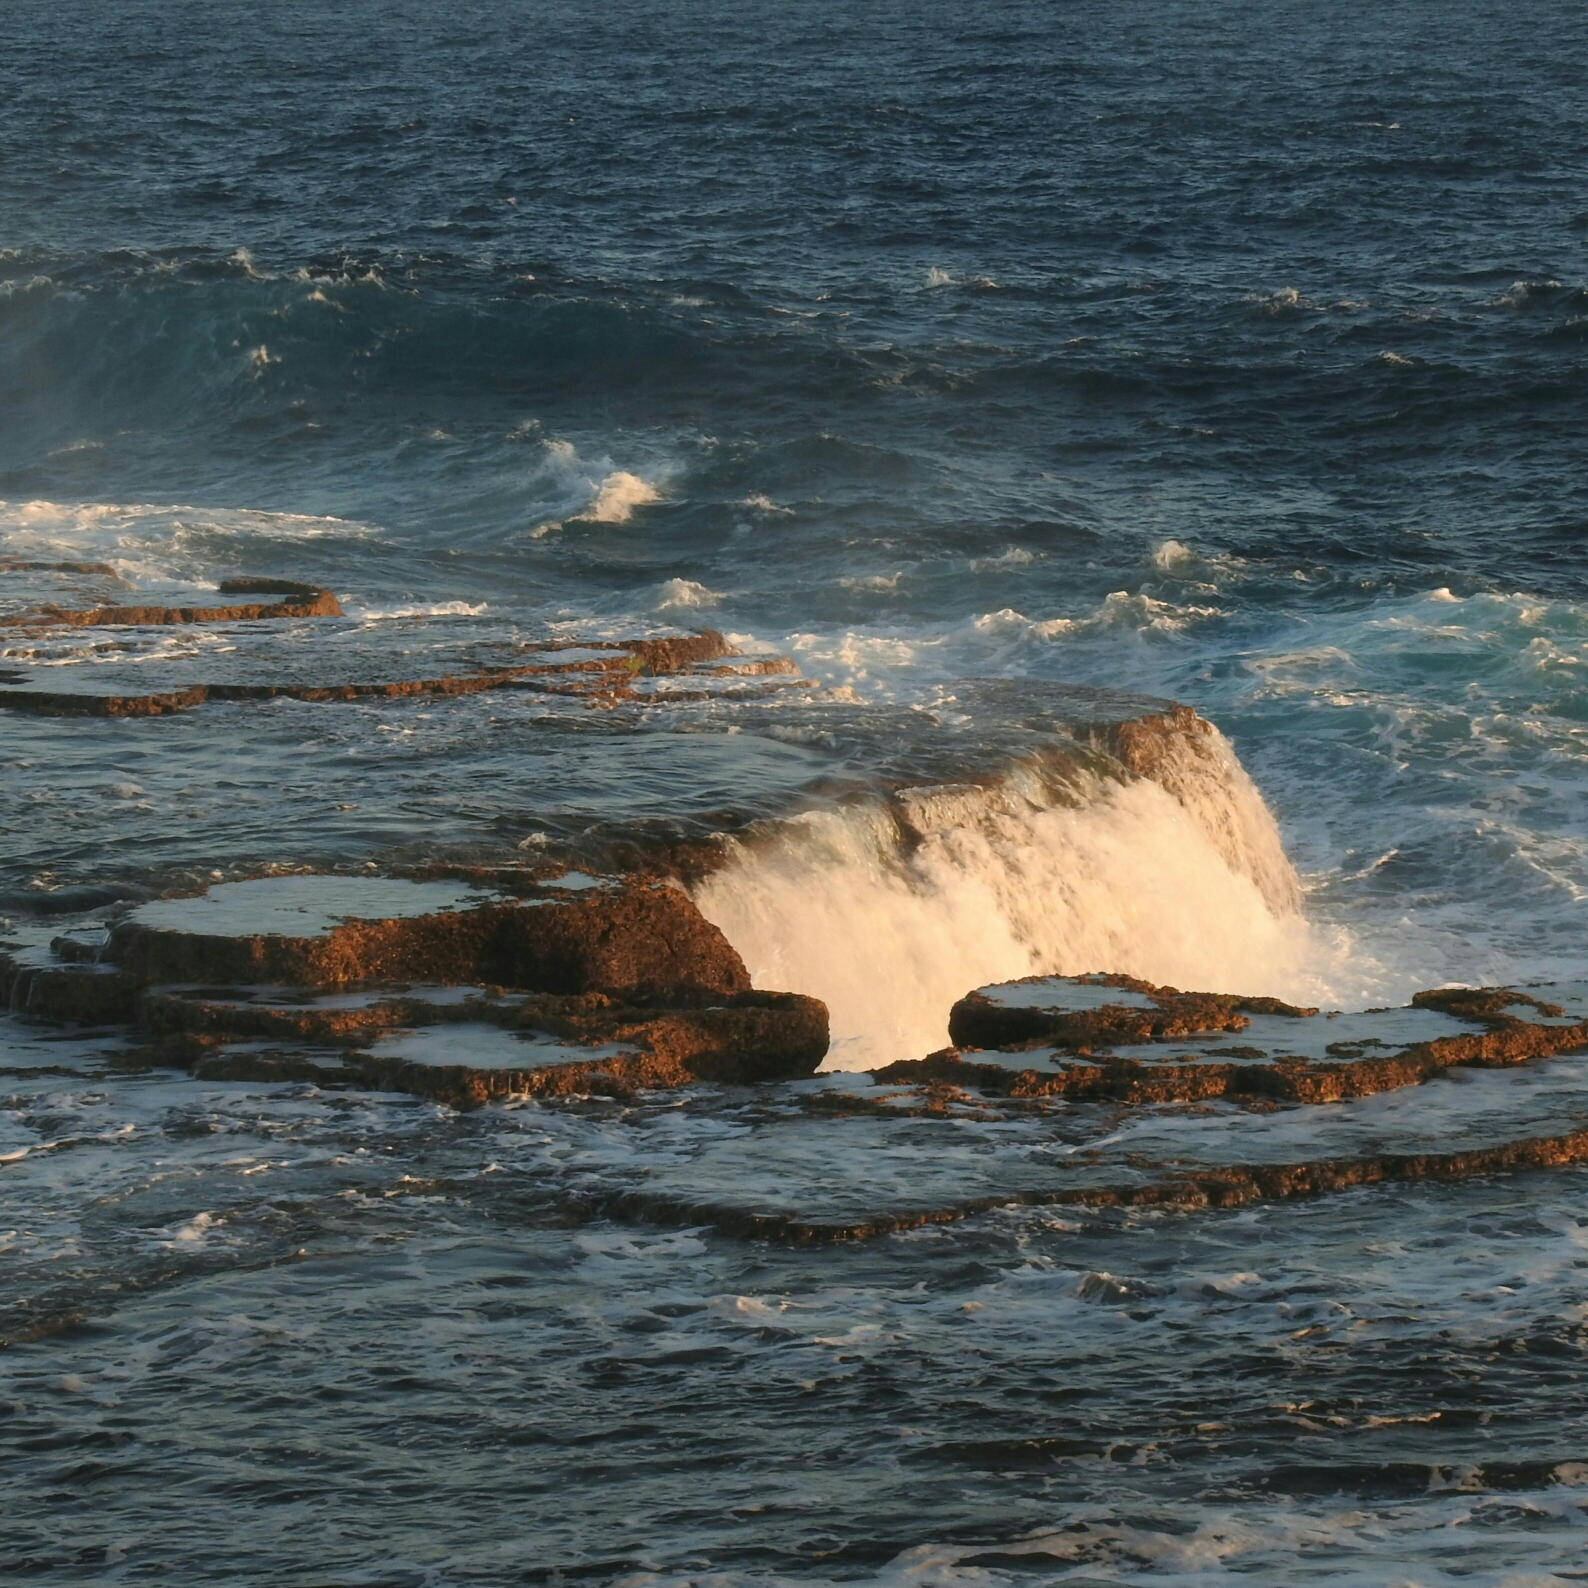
[(1226, 353)]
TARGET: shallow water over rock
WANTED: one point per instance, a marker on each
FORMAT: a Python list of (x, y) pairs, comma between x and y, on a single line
[(300, 906)]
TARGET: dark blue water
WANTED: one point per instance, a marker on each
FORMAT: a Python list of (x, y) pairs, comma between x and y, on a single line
[(1234, 352), (1308, 288)]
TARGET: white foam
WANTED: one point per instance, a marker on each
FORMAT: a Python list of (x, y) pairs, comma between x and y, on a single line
[(152, 543), (568, 488), (684, 595), (1193, 891), (435, 609), (617, 497)]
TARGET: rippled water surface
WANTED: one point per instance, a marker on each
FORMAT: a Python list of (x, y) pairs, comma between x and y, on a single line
[(1226, 353)]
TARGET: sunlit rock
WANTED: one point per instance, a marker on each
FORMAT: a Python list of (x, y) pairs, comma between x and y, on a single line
[(577, 983), (1115, 1037)]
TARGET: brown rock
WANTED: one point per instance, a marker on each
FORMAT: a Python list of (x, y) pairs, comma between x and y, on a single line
[(978, 1022), (672, 654), (316, 604), (1487, 1004), (604, 680), (61, 703), (631, 972), (1099, 1075), (644, 941), (744, 1037)]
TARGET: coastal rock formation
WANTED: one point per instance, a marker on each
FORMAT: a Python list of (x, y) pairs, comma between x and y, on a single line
[(634, 939), (1157, 1045), (1109, 1009), (1222, 1186), (577, 984), (1118, 1038), (468, 1045), (302, 601), (647, 669)]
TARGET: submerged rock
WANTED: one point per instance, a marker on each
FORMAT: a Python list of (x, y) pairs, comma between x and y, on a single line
[(32, 565), (293, 599), (648, 669), (1213, 1186), (305, 602)]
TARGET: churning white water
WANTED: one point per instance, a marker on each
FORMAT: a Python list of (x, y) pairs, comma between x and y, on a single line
[(889, 913)]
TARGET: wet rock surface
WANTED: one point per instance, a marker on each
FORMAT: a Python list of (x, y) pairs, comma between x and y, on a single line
[(1221, 1186), (1082, 1014), (310, 603), (489, 1044), (638, 939), (605, 673), (575, 985), (1127, 1066), (1123, 1039)]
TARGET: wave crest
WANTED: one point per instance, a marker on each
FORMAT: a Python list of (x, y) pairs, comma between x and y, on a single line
[(889, 912)]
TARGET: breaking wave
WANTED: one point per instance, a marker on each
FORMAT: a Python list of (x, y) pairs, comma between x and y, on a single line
[(889, 912), (584, 491)]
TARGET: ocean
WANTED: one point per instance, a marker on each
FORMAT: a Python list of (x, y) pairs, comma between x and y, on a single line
[(1229, 353)]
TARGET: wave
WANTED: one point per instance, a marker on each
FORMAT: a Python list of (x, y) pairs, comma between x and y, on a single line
[(570, 489), (94, 344), (168, 352), (162, 546), (891, 911)]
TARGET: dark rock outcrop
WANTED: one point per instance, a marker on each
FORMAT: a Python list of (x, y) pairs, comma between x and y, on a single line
[(644, 941), (101, 570), (741, 1039), (613, 985), (672, 653), (976, 1021), (1080, 1061), (311, 603), (82, 994)]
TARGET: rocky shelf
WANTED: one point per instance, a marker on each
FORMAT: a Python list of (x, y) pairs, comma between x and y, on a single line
[(573, 984), (1118, 1039), (607, 680), (270, 654), (293, 601), (594, 973), (1213, 1186)]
